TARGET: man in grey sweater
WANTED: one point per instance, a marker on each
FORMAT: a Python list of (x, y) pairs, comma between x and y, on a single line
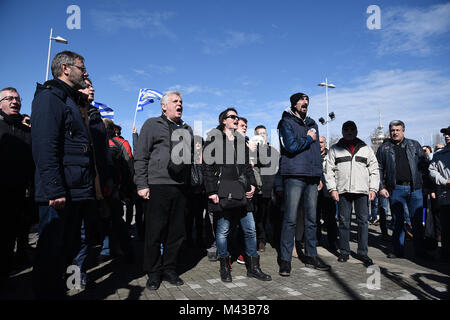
[(164, 188)]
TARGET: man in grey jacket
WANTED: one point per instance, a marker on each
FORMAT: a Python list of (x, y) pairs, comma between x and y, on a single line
[(352, 177), (164, 188), (440, 174)]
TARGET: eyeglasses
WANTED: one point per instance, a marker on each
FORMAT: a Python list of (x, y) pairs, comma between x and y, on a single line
[(11, 98), (82, 69), (234, 117)]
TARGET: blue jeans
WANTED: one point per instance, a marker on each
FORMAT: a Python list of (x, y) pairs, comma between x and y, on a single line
[(345, 214), (374, 210), (401, 199), (226, 223), (295, 189)]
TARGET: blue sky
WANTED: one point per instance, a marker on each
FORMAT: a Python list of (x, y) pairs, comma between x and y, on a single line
[(251, 54)]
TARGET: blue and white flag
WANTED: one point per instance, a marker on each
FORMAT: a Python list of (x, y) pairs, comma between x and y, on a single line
[(105, 111), (147, 96)]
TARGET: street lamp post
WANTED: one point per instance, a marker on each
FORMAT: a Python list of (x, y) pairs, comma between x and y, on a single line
[(57, 39), (327, 85)]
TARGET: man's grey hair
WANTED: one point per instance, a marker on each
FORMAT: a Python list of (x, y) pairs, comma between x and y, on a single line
[(64, 57), (395, 123), (8, 89), (167, 94)]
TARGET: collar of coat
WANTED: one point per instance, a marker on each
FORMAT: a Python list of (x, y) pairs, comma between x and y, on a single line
[(358, 145), (288, 112), (13, 119), (65, 90)]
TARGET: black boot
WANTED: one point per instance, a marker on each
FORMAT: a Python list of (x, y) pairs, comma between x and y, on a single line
[(253, 269), (225, 272)]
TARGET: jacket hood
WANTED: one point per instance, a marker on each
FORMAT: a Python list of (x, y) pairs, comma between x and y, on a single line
[(62, 87), (291, 114)]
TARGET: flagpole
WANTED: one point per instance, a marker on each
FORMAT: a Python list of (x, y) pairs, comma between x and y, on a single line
[(135, 111)]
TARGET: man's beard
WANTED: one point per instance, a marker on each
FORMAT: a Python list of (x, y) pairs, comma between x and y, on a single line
[(79, 83)]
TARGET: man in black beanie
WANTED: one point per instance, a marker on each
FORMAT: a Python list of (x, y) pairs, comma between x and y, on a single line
[(301, 169)]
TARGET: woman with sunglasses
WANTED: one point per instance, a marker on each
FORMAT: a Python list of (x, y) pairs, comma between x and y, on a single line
[(226, 161)]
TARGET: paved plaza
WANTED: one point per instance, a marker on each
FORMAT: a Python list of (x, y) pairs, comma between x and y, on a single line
[(388, 279)]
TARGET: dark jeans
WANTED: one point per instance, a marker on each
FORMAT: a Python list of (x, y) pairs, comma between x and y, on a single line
[(117, 230), (326, 209), (445, 229), (345, 216), (226, 223), (136, 203), (58, 244), (383, 209), (88, 251), (261, 214), (403, 199), (294, 189), (164, 223), (194, 217), (13, 201)]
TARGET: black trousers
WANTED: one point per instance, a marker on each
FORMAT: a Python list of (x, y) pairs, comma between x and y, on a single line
[(326, 210), (13, 201), (260, 214), (164, 224)]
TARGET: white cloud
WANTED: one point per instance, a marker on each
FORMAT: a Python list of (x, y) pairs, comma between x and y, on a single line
[(123, 81), (420, 98), (413, 30), (231, 40), (153, 23), (189, 89)]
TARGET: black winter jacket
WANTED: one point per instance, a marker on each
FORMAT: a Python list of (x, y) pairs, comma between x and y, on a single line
[(16, 160), (418, 163), (61, 146), (224, 164), (300, 155)]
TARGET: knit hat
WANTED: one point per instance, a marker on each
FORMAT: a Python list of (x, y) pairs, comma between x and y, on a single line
[(297, 96), (446, 130), (349, 124)]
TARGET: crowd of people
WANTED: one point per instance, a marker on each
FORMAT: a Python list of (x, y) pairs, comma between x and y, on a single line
[(72, 172)]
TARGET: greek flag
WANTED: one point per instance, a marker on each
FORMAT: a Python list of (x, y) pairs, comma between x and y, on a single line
[(105, 111), (147, 96)]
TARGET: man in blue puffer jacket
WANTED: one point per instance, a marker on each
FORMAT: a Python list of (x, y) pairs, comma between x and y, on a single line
[(64, 178), (301, 169)]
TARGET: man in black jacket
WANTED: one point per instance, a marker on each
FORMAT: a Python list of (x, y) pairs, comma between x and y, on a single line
[(402, 162), (17, 174), (64, 179), (165, 190), (267, 166)]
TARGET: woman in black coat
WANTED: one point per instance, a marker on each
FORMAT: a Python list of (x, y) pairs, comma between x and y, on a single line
[(226, 163)]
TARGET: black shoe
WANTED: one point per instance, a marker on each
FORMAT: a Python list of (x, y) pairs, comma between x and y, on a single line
[(212, 256), (316, 263), (153, 282), (343, 257), (365, 260), (392, 255), (285, 268), (225, 272), (254, 270), (262, 247), (425, 256), (172, 278)]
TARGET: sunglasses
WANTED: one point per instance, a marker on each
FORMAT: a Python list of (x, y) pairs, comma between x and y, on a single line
[(234, 117)]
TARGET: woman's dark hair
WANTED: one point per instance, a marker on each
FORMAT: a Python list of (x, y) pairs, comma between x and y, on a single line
[(223, 115)]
